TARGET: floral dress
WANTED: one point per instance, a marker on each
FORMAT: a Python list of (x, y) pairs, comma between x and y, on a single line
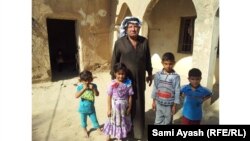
[(119, 124)]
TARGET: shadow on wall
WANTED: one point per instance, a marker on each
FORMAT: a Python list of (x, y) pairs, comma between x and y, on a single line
[(215, 92)]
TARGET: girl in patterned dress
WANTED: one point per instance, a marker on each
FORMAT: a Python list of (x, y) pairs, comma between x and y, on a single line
[(119, 104)]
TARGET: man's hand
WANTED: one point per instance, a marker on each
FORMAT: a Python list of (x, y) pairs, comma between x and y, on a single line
[(149, 79)]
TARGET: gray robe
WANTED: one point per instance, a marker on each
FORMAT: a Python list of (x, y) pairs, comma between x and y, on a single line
[(138, 61)]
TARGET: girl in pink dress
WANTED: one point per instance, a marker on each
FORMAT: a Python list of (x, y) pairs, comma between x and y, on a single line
[(119, 104)]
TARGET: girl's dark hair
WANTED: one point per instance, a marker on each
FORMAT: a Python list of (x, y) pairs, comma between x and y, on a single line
[(86, 75), (194, 72), (168, 56), (120, 66)]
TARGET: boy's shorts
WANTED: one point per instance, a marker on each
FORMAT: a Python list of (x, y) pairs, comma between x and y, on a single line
[(186, 121)]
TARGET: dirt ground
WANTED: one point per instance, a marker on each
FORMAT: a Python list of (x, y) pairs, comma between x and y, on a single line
[(55, 116)]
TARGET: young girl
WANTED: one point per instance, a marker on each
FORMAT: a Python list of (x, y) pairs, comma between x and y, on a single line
[(119, 104), (87, 92)]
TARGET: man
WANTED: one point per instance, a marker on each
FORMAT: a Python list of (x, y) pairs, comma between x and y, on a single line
[(133, 50)]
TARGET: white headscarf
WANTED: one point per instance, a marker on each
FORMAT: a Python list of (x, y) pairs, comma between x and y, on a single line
[(126, 21)]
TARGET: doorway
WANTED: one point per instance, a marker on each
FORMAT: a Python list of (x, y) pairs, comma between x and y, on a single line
[(62, 49)]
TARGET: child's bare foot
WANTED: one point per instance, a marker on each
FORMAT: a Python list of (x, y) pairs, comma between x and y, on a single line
[(85, 133)]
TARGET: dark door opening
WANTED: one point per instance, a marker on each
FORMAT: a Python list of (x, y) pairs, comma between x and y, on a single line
[(62, 49)]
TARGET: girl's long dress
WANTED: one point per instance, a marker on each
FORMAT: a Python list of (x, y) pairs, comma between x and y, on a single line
[(119, 124)]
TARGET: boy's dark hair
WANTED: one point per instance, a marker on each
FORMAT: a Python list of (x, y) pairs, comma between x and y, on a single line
[(86, 75), (120, 66), (168, 56), (194, 72)]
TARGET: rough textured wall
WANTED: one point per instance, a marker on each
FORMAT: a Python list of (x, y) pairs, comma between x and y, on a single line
[(92, 29), (164, 28), (206, 39), (40, 51), (164, 24)]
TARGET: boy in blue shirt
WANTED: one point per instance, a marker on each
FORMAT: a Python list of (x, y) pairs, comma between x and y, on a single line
[(166, 91), (194, 95)]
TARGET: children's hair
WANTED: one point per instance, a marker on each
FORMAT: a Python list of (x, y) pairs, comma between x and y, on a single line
[(86, 75), (168, 56), (194, 72), (120, 66)]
